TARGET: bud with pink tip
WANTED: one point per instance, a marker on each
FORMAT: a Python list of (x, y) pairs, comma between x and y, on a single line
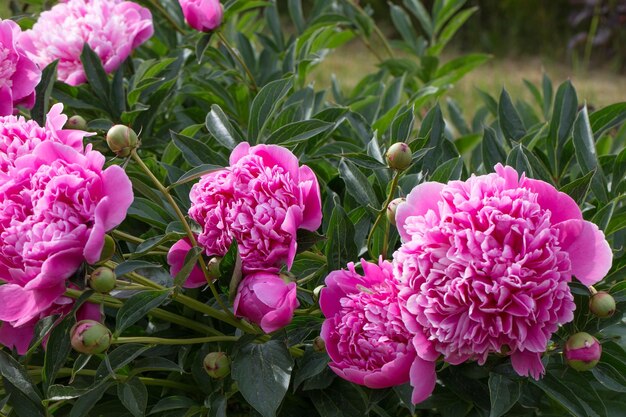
[(76, 122), (102, 280), (582, 351), (391, 210), (602, 304), (217, 365), (399, 156), (90, 337)]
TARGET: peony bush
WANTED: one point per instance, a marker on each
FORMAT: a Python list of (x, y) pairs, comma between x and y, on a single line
[(191, 225)]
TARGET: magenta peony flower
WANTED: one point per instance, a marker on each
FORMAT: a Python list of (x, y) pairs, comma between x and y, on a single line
[(112, 28), (176, 260), (20, 338), (57, 203), (18, 74), (265, 299), (261, 201), (485, 265), (202, 15), (365, 336)]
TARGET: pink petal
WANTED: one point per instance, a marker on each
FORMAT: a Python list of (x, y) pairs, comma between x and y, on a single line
[(423, 379), (17, 337), (561, 205), (422, 198), (589, 252), (312, 200), (176, 260), (19, 305), (528, 364)]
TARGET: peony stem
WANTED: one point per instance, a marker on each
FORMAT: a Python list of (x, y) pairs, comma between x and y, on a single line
[(381, 214), (166, 15), (133, 239), (188, 230), (162, 341), (238, 58), (380, 35)]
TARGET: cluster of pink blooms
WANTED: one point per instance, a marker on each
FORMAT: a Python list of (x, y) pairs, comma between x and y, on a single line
[(260, 201), (483, 268), (111, 28), (56, 204)]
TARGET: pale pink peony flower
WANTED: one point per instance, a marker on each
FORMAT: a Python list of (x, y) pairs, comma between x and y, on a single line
[(20, 338), (202, 15), (18, 74), (365, 337), (261, 201), (112, 28), (57, 203), (485, 265), (265, 299)]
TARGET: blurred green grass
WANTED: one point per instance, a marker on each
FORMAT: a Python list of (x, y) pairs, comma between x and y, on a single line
[(598, 87)]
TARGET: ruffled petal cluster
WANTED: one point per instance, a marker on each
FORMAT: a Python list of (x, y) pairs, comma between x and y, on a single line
[(18, 73), (56, 204), (112, 29), (485, 264), (365, 336), (260, 201)]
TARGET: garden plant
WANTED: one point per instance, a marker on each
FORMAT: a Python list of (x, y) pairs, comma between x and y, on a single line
[(190, 226)]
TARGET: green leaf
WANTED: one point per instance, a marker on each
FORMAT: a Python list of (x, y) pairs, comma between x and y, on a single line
[(220, 127), (151, 243), (419, 11), (42, 93), (191, 259), (119, 358), (493, 151), (403, 24), (448, 171), (607, 118), (563, 117), (517, 159), (579, 188), (510, 120), (130, 266), (586, 154), (25, 399), (264, 106), (175, 402), (86, 402), (133, 394), (95, 73), (58, 349), (293, 133), (447, 10), (195, 173), (340, 247), (310, 365), (503, 393), (262, 373), (341, 399), (195, 152), (357, 184), (556, 389), (137, 306), (450, 30), (610, 377)]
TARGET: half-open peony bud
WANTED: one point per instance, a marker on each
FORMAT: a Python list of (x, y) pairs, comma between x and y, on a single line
[(582, 351), (90, 337)]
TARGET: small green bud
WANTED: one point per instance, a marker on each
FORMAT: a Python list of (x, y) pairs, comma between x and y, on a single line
[(602, 304), (122, 140), (399, 156), (76, 122), (213, 267), (582, 351), (90, 337), (391, 210), (217, 365), (108, 249), (102, 280), (319, 345)]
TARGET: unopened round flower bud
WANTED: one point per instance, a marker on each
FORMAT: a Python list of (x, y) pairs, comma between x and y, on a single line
[(76, 122), (391, 210), (90, 337), (102, 280), (602, 304), (121, 140), (213, 267), (399, 156), (582, 351), (217, 365), (108, 249), (319, 345)]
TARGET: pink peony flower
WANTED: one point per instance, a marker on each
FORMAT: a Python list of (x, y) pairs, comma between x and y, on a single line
[(202, 15), (176, 260), (20, 338), (265, 299), (485, 265), (18, 74), (365, 336), (112, 28), (57, 203), (261, 201)]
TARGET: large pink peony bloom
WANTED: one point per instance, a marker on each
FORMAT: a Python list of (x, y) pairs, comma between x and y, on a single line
[(202, 15), (56, 205), (265, 299), (485, 265), (365, 336), (261, 201), (18, 74), (112, 28)]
